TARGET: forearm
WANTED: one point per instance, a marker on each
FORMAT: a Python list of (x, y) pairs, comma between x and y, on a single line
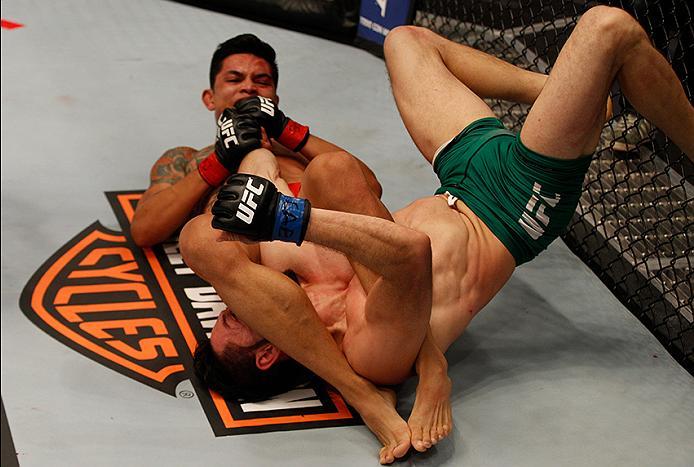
[(379, 244), (268, 302), (158, 215), (316, 146)]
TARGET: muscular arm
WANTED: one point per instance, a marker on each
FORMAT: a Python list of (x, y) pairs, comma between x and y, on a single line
[(313, 148), (278, 309), (176, 187), (316, 146)]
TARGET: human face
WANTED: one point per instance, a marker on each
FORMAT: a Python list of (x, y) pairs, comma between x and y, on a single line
[(229, 329), (241, 76)]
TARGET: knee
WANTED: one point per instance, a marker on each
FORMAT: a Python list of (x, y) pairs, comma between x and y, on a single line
[(412, 263), (616, 28), (332, 178), (203, 253), (402, 38), (260, 162), (192, 242)]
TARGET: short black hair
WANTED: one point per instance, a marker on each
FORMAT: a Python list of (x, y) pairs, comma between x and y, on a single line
[(243, 44), (234, 374)]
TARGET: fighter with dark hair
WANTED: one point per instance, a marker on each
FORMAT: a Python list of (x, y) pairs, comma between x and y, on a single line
[(503, 199), (234, 372), (184, 181)]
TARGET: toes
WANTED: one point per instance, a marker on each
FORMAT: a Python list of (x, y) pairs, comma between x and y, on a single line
[(402, 448), (434, 435), (426, 439), (417, 443), (386, 456), (389, 453), (448, 422)]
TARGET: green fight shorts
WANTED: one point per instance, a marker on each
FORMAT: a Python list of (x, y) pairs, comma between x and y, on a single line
[(526, 199)]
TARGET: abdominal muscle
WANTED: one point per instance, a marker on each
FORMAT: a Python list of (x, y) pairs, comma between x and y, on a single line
[(469, 264)]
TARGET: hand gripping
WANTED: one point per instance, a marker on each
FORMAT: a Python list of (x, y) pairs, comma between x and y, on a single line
[(250, 205)]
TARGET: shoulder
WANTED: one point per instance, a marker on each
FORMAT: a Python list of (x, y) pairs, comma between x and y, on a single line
[(175, 164)]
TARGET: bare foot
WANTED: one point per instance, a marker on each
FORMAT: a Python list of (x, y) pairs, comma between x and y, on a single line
[(389, 395), (431, 419), (377, 409)]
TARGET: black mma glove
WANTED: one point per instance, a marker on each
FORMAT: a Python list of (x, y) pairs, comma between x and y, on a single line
[(251, 206), (278, 126), (237, 135)]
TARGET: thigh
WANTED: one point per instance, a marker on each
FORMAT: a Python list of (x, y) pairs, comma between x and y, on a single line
[(386, 327), (567, 117), (434, 105)]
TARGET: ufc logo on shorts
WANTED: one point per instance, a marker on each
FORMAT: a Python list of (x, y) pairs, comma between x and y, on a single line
[(247, 206), (226, 131), (534, 220), (267, 106)]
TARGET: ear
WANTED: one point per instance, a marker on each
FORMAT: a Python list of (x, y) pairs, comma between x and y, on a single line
[(208, 99), (266, 356)]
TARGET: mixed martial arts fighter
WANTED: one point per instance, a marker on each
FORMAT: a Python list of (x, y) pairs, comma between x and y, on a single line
[(505, 197), (183, 181)]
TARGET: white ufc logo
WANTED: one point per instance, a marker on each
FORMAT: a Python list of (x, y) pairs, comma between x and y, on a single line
[(247, 207), (267, 106), (226, 131), (534, 220)]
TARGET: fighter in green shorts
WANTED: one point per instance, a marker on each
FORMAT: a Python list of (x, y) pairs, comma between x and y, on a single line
[(508, 195), (505, 197), (525, 198)]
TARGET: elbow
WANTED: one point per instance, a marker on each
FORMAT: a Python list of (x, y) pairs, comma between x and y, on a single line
[(420, 251), (414, 256), (141, 235)]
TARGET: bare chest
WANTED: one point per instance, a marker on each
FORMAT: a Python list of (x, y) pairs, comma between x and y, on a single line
[(323, 274)]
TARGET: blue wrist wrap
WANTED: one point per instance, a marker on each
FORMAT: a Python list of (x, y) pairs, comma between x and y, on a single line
[(291, 219)]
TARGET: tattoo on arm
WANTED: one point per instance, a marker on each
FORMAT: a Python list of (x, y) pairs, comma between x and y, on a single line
[(199, 156), (172, 166)]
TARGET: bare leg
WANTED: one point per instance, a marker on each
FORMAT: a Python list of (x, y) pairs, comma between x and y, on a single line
[(607, 43), (279, 310), (431, 419), (439, 85), (341, 182), (397, 307), (336, 183)]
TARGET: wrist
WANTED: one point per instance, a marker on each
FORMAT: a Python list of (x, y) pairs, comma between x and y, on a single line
[(213, 171), (294, 135), (291, 219)]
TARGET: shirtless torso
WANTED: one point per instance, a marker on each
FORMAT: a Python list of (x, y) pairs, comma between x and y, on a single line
[(326, 277), (470, 265)]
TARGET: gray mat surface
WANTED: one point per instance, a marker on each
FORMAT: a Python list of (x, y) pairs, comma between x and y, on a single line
[(554, 372)]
